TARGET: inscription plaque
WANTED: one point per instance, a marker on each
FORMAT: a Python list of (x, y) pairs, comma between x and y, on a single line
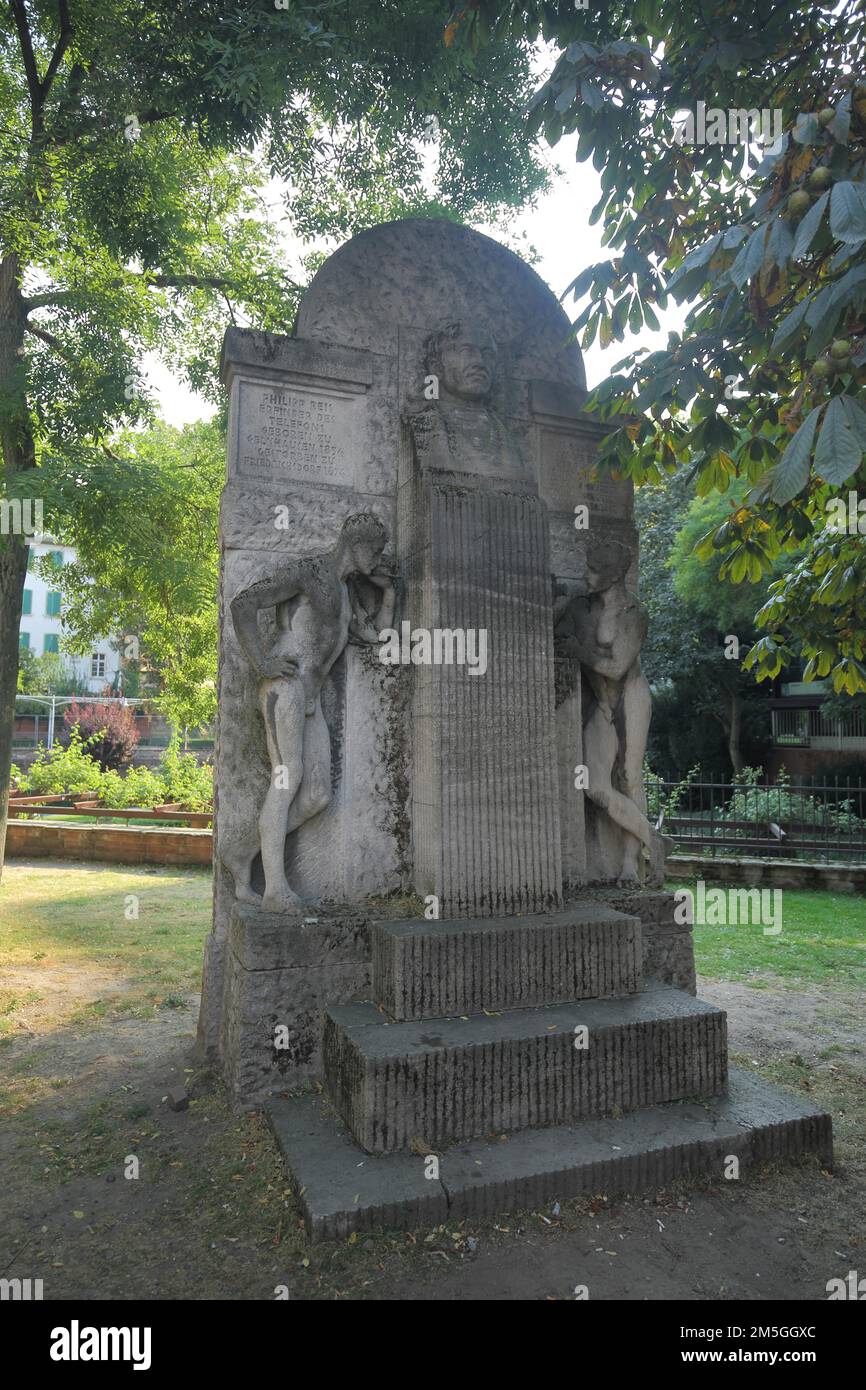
[(292, 432), (568, 478)]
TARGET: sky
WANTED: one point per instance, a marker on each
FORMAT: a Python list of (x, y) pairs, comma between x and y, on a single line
[(558, 227)]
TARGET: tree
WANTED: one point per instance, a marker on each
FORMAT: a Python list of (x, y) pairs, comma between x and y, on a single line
[(722, 618), (135, 144), (48, 674), (689, 659), (109, 732), (146, 569), (767, 246)]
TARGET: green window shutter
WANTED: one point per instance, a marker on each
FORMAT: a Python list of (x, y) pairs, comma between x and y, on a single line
[(52, 642), (24, 639), (57, 559), (52, 604), (27, 606)]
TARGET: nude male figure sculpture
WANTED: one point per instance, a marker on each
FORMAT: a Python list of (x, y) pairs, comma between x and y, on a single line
[(317, 613), (605, 630)]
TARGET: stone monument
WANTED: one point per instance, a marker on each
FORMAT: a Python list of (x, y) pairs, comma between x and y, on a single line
[(437, 892)]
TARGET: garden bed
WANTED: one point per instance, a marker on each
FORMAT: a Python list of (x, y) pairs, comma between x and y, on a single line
[(111, 844)]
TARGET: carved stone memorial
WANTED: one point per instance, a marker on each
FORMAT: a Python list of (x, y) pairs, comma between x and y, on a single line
[(437, 891)]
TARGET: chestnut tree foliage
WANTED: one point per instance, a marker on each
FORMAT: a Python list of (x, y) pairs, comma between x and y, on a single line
[(766, 248), (137, 143)]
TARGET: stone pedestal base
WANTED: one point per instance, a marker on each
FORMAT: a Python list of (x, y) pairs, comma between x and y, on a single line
[(279, 976), (575, 1036), (339, 1193), (668, 952)]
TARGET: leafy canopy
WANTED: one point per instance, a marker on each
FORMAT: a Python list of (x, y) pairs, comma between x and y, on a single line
[(138, 214), (766, 247)]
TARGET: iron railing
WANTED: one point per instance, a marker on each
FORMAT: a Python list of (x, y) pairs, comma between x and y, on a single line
[(820, 820)]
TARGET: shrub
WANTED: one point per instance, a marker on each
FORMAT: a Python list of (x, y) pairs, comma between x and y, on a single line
[(63, 768), (109, 730), (139, 786), (187, 781), (760, 804)]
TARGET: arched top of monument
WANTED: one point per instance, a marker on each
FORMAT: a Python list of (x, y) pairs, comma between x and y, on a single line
[(422, 272)]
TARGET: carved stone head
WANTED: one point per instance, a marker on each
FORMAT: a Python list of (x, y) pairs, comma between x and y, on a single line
[(608, 630), (363, 537), (464, 359)]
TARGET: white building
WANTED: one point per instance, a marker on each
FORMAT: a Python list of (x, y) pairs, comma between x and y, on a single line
[(42, 624)]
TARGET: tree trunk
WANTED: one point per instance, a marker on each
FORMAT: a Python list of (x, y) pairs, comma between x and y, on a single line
[(18, 453), (734, 728)]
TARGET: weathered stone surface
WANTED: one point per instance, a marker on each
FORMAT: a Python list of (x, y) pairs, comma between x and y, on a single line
[(485, 800), (667, 945), (456, 1078), (418, 271), (278, 980), (263, 940), (431, 969), (318, 432), (341, 1190), (752, 1120)]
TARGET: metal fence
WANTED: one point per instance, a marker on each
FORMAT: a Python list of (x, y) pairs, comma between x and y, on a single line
[(39, 719), (815, 820)]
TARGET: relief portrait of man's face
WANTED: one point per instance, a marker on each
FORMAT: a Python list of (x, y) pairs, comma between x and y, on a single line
[(608, 630), (467, 364)]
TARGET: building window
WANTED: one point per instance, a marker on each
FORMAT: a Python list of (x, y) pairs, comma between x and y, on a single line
[(52, 604), (24, 639), (51, 643), (97, 664), (56, 558), (27, 606)]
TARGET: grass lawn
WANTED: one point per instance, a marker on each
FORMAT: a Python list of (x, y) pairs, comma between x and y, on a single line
[(145, 928), (823, 940), (139, 928)]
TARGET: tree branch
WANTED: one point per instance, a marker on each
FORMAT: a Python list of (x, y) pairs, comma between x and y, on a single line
[(53, 298), (34, 86), (50, 339), (62, 44)]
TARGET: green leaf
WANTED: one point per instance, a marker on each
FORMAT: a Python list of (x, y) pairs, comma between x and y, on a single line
[(809, 226), (856, 417), (750, 258), (700, 256), (838, 453), (578, 288), (792, 471), (840, 126), (848, 212), (806, 128), (790, 323), (591, 95)]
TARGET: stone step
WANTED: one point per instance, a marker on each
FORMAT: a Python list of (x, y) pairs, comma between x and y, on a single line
[(342, 1190), (432, 969), (458, 1078)]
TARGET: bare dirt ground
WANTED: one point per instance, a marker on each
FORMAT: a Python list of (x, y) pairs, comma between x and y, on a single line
[(210, 1215)]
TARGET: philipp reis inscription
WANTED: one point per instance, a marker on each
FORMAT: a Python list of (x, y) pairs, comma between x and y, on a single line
[(288, 432)]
